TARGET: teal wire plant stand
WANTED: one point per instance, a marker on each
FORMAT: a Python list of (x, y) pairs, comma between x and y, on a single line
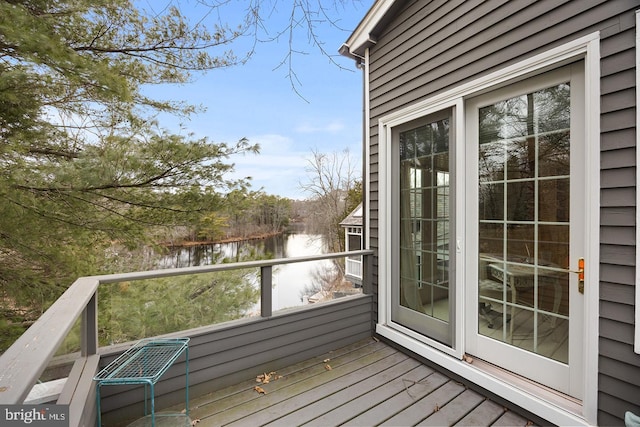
[(144, 363)]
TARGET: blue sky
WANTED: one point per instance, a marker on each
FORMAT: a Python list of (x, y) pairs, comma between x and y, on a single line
[(256, 101)]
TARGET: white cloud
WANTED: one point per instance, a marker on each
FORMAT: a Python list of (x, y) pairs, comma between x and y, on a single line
[(278, 169), (272, 142), (281, 165), (331, 127)]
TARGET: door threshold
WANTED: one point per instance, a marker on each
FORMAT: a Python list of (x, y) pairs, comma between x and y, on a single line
[(554, 397)]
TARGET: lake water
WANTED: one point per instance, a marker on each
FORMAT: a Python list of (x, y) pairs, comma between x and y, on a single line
[(290, 281)]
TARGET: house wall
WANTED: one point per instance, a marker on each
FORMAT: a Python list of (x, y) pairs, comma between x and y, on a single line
[(224, 355), (432, 46)]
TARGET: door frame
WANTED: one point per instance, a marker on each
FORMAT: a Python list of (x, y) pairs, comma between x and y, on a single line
[(535, 400)]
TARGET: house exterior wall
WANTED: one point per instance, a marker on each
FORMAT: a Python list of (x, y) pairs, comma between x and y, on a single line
[(432, 46)]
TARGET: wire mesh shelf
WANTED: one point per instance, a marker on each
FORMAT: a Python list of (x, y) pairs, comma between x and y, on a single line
[(146, 360)]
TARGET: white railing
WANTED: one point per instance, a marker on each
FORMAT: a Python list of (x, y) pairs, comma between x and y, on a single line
[(353, 268)]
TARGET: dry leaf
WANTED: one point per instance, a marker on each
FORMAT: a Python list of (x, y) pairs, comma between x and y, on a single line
[(194, 422), (327, 367), (467, 358), (436, 409), (266, 378), (327, 360), (259, 390), (529, 423)]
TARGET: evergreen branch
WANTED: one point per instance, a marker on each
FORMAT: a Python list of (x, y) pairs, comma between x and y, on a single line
[(146, 205), (52, 152)]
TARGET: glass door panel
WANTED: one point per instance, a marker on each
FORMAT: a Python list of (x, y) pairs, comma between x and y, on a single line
[(523, 221), (422, 299)]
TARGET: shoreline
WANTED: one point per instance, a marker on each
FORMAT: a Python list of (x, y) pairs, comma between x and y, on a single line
[(233, 239)]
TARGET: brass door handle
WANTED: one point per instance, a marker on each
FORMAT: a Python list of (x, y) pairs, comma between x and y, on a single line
[(580, 273)]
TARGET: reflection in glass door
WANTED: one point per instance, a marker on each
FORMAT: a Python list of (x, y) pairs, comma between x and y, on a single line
[(523, 225), (422, 299)]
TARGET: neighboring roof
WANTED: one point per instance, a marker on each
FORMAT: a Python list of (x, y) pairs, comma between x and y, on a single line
[(364, 35), (354, 218)]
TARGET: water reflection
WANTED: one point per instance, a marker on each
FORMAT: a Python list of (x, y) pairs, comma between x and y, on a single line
[(293, 284), (214, 253)]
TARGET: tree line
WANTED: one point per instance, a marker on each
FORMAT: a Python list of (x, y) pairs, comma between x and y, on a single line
[(85, 164)]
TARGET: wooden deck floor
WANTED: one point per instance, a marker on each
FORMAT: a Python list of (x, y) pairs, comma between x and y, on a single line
[(365, 384)]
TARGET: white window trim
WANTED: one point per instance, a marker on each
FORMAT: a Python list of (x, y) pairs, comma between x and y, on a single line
[(636, 345), (587, 47)]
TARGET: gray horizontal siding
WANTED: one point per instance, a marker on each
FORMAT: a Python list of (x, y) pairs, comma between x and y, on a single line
[(482, 45), (432, 46), (616, 350), (223, 355), (619, 177), (618, 139), (618, 379)]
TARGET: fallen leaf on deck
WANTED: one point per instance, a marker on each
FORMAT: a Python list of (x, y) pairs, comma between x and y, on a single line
[(266, 378), (327, 360), (327, 367), (259, 390), (467, 358), (436, 409), (194, 422)]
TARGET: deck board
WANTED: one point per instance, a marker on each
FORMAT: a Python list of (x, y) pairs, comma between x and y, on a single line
[(317, 388), (209, 405), (426, 406), (484, 414), (455, 410), (509, 419), (313, 414), (348, 410), (369, 384), (377, 414)]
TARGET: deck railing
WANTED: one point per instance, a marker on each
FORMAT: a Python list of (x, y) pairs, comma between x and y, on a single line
[(24, 362), (353, 268)]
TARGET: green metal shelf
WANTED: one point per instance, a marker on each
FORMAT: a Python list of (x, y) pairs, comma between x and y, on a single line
[(144, 363)]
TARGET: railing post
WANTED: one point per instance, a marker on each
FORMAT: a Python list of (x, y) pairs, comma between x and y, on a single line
[(367, 274), (266, 281), (89, 327)]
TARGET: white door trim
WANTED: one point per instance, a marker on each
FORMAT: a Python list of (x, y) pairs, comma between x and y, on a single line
[(637, 302), (588, 48)]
